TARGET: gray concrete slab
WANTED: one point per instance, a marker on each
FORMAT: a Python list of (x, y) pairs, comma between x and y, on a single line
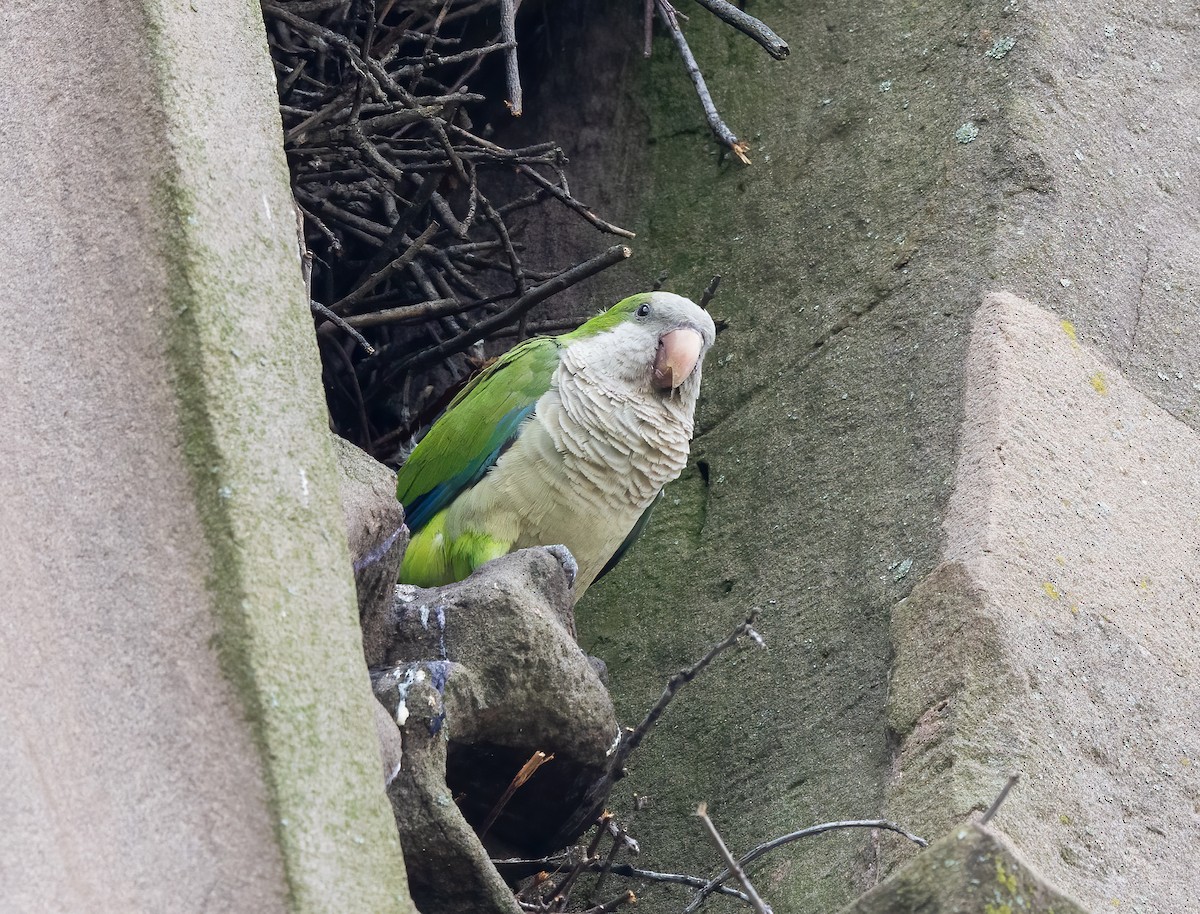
[(1058, 638), (186, 720)]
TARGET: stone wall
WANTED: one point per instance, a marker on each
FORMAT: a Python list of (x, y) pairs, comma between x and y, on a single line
[(185, 715), (910, 159)]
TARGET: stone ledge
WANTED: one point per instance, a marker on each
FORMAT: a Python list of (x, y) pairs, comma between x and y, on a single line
[(186, 713), (972, 870), (1060, 637)]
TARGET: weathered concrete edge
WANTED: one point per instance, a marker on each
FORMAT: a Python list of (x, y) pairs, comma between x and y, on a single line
[(970, 699), (255, 435), (973, 868)]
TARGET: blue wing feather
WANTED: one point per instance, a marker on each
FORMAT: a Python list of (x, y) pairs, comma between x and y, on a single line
[(423, 508), (477, 426)]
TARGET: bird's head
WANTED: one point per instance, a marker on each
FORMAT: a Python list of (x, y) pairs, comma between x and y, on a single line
[(656, 339)]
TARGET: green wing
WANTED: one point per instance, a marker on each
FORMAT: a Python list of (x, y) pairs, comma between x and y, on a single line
[(477, 426)]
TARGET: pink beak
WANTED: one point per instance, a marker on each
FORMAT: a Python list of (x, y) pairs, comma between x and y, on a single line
[(678, 353)]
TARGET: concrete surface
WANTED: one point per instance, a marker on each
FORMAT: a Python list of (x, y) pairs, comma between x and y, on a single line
[(972, 870), (1058, 638), (909, 158), (480, 675), (185, 717)]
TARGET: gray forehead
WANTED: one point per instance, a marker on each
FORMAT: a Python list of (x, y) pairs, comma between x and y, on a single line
[(672, 301), (675, 307)]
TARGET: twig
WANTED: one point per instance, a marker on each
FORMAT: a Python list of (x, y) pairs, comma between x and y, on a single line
[(318, 308), (1003, 795), (621, 842), (647, 27), (755, 902), (711, 292), (306, 257), (769, 846), (545, 328), (359, 403), (334, 244), (395, 239), (748, 25), (667, 13), (409, 255), (626, 897), (626, 871), (714, 884), (560, 194), (606, 868), (432, 59), (408, 314), (678, 681), (536, 761), (508, 34), (510, 315), (563, 891), (514, 262)]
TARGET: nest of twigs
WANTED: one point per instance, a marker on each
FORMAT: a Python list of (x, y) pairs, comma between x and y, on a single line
[(409, 215)]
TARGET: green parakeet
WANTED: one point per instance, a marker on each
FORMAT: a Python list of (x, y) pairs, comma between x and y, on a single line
[(562, 440)]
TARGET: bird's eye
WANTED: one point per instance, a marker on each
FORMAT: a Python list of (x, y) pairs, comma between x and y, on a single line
[(643, 310)]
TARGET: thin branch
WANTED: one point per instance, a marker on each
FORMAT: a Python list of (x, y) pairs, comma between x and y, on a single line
[(606, 867), (409, 255), (769, 846), (748, 25), (409, 314), (560, 194), (318, 308), (711, 292), (667, 13), (508, 34), (994, 808), (626, 897), (678, 681), (395, 239), (738, 873), (625, 871), (714, 884), (536, 761), (563, 891), (511, 314), (359, 403)]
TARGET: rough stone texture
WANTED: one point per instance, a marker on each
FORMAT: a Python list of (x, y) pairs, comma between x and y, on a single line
[(375, 526), (376, 535), (972, 870), (855, 251), (185, 718), (481, 675), (1059, 637)]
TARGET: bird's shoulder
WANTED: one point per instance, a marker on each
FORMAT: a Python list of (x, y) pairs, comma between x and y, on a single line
[(480, 422)]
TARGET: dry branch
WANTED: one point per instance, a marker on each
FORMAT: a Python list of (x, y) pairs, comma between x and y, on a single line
[(738, 873), (624, 870), (508, 33), (407, 209), (513, 313), (722, 132), (714, 885), (748, 25), (536, 761), (1000, 798), (678, 681)]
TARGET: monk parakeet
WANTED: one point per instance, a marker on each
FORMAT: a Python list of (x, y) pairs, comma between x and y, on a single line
[(562, 440)]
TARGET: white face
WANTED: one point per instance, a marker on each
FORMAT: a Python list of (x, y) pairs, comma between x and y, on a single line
[(662, 345)]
